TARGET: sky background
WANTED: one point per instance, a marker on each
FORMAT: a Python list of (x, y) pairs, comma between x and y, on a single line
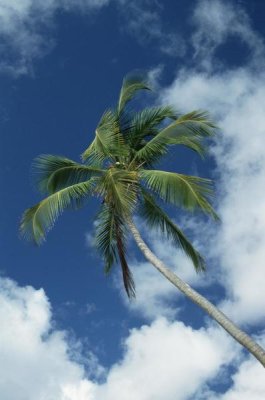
[(67, 331)]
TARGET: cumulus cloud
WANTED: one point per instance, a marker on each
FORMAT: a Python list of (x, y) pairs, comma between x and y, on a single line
[(25, 26), (38, 359), (38, 365), (34, 357), (247, 383), (166, 360), (236, 98)]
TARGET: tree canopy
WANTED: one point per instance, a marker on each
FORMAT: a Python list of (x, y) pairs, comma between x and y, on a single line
[(119, 168)]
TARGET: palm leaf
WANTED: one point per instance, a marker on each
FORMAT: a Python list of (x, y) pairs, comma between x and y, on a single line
[(157, 218), (39, 219), (110, 241), (126, 273), (108, 142), (188, 130), (144, 123), (199, 122), (130, 86), (189, 192), (119, 188), (54, 172), (105, 236)]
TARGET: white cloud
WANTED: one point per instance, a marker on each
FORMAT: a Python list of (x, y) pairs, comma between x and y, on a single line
[(24, 29), (236, 98), (223, 19), (166, 361), (248, 383), (35, 363), (161, 360)]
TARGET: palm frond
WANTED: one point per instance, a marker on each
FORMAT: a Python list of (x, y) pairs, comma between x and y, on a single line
[(127, 276), (118, 187), (145, 122), (155, 217), (188, 130), (108, 142), (110, 241), (105, 239), (199, 122), (189, 192), (130, 86), (53, 173), (39, 219)]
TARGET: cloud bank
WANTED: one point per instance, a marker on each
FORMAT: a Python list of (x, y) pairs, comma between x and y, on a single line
[(38, 363), (237, 100)]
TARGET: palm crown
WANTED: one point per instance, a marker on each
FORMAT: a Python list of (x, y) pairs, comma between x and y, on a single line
[(118, 168)]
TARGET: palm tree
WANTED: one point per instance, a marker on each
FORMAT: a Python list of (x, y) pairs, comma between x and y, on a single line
[(118, 168)]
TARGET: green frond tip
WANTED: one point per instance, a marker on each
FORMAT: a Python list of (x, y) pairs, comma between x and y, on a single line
[(130, 86), (53, 173), (156, 218), (200, 122), (189, 192), (189, 130), (146, 123), (39, 219)]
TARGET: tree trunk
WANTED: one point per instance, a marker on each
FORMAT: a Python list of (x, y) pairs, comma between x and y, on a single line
[(240, 336)]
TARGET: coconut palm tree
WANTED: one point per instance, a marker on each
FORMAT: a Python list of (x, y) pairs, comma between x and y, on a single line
[(118, 168)]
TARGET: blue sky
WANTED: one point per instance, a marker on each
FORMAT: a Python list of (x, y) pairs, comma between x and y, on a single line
[(67, 331)]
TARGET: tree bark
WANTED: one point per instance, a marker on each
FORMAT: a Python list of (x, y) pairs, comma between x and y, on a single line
[(241, 337)]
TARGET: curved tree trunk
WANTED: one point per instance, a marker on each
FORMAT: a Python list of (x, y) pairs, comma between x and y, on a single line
[(197, 298)]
